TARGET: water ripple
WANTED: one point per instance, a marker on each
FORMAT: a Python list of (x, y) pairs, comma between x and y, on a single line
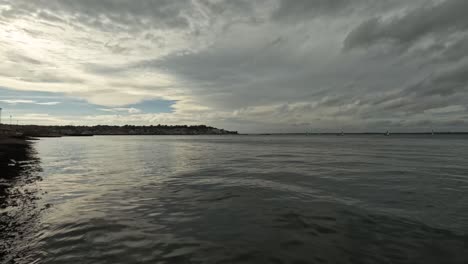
[(258, 199)]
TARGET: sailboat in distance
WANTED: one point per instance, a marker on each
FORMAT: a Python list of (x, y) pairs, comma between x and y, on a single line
[(387, 133)]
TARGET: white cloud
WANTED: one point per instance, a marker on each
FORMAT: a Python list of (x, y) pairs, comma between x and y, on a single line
[(49, 103), (17, 101), (130, 110), (21, 101), (41, 119)]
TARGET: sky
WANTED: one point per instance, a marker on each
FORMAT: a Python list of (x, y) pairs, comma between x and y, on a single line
[(252, 66)]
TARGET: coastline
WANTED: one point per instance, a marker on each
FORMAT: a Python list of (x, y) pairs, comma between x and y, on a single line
[(12, 151), (18, 194), (59, 131)]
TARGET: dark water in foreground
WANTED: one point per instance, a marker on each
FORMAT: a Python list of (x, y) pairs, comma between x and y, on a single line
[(245, 199)]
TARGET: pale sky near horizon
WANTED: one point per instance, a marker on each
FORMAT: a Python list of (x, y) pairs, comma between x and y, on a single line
[(246, 65)]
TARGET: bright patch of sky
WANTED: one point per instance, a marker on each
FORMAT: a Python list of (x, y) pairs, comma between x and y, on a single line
[(19, 104)]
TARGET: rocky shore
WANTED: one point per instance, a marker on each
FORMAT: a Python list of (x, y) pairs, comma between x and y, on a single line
[(12, 152), (19, 169)]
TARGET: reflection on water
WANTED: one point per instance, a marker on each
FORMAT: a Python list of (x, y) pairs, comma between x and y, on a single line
[(252, 199)]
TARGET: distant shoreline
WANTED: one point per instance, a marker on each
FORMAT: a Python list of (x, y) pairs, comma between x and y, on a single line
[(39, 131), (359, 133), (59, 131)]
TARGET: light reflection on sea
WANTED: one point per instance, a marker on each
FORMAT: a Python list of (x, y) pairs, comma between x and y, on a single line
[(252, 199)]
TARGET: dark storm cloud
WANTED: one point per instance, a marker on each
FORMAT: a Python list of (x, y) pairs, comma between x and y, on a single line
[(446, 17)]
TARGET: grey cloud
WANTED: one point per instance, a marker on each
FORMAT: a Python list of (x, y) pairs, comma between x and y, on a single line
[(116, 48), (32, 70), (303, 10), (104, 69), (49, 78), (50, 17), (300, 9), (448, 16), (442, 50), (446, 84), (129, 16), (454, 52), (437, 91), (265, 63), (157, 40), (18, 58), (106, 14), (270, 74), (142, 87)]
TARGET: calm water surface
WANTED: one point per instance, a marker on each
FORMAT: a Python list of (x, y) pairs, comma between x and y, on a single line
[(247, 199)]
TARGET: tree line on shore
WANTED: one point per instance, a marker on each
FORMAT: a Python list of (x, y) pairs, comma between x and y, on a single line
[(52, 131)]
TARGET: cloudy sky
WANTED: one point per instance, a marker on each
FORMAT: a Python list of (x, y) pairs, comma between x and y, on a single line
[(251, 66)]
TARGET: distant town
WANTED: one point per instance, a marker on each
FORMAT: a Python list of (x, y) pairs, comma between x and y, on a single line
[(59, 131)]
